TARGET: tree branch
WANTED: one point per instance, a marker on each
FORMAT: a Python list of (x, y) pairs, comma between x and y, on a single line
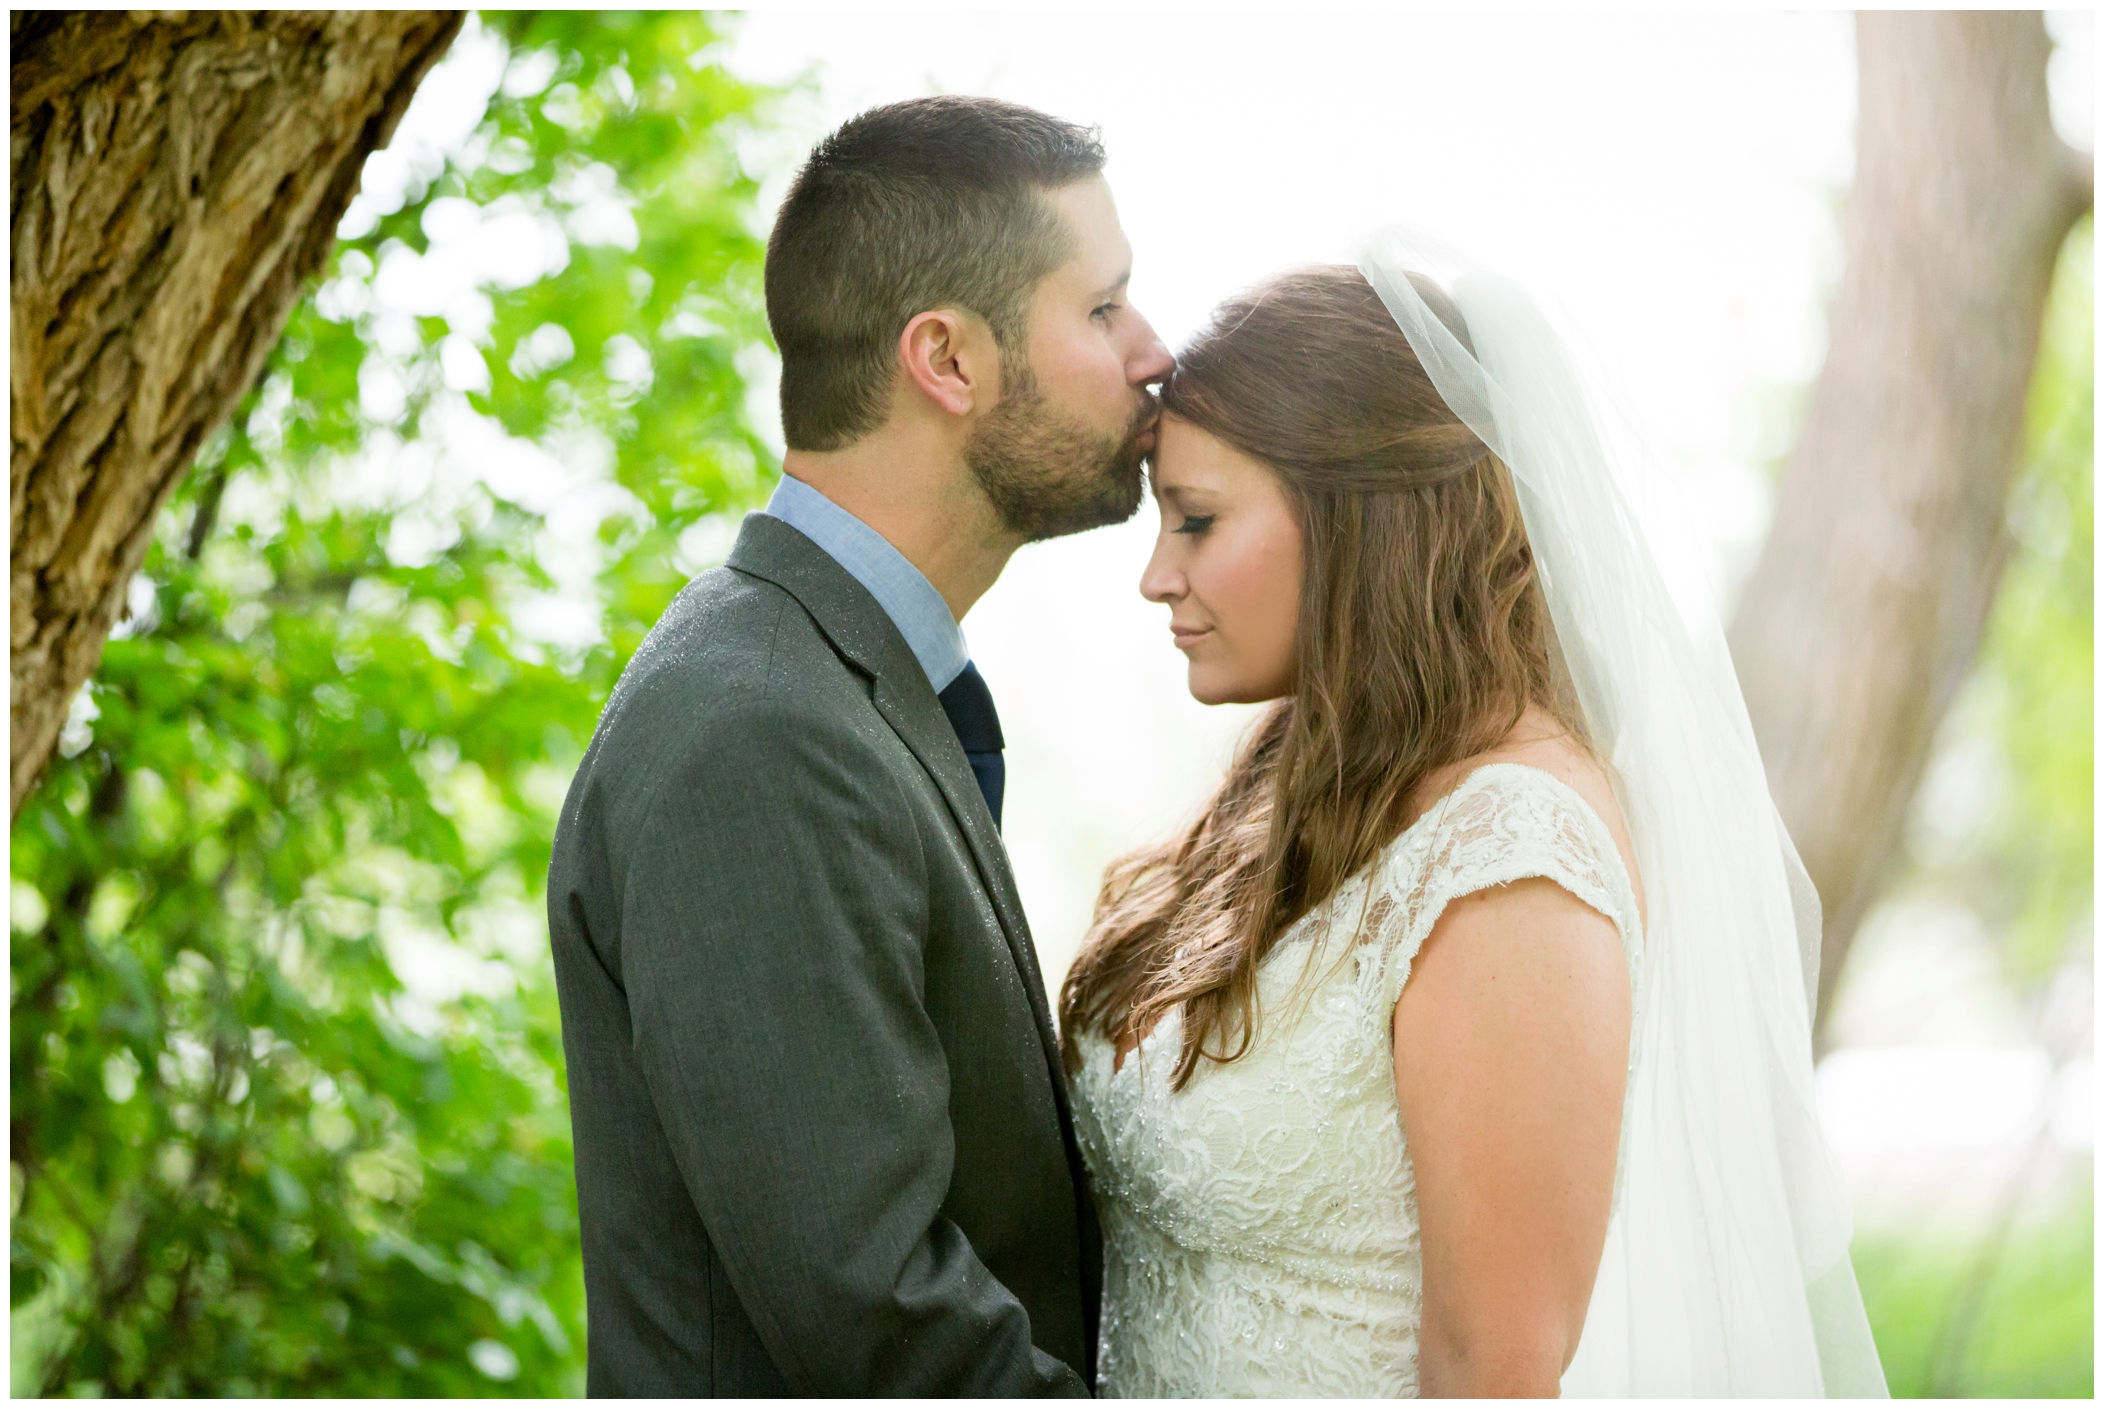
[(177, 178), (1864, 613)]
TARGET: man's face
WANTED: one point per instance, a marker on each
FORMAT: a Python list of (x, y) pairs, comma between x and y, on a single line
[(1063, 450)]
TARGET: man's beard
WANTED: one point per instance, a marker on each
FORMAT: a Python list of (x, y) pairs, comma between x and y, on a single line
[(1047, 475)]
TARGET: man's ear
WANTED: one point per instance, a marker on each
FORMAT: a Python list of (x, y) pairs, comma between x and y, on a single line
[(951, 359)]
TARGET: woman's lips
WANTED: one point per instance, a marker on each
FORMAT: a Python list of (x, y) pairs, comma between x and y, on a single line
[(1187, 635)]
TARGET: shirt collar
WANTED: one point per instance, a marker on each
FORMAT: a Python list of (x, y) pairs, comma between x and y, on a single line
[(906, 596)]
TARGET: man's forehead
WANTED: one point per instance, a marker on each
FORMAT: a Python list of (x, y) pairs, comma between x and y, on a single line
[(1102, 255), (1103, 271)]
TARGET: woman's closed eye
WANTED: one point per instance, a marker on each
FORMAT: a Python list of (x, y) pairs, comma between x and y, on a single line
[(1194, 523)]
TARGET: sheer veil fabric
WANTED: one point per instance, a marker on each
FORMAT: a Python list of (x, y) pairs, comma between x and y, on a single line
[(1726, 1269)]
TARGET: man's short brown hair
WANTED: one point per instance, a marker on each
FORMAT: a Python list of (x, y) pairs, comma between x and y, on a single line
[(930, 203)]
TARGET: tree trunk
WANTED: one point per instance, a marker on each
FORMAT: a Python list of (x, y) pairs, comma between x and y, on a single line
[(1865, 611), (178, 175)]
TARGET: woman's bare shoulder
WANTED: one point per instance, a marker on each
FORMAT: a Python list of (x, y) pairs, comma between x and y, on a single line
[(1537, 741), (1564, 759)]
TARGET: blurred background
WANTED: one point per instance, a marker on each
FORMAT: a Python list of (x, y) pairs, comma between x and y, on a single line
[(288, 1108)]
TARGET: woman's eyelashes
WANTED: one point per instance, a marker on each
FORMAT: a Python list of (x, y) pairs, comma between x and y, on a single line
[(1194, 524)]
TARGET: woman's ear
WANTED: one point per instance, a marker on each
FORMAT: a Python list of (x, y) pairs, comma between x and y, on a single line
[(951, 359)]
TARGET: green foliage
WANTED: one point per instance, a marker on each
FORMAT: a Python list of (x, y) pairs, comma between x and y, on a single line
[(288, 1114), (2024, 865), (2034, 870), (2029, 1332), (2002, 1310)]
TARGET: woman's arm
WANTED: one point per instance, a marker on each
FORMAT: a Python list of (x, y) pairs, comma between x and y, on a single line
[(1511, 1054)]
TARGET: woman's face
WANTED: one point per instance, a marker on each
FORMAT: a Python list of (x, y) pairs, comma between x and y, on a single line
[(1227, 564)]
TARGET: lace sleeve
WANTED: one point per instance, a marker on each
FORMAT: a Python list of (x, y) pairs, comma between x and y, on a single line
[(1505, 823)]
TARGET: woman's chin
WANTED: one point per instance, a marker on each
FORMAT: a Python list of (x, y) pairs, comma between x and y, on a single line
[(1211, 688)]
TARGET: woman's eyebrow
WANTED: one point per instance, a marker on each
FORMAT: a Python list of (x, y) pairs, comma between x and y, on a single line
[(1177, 493)]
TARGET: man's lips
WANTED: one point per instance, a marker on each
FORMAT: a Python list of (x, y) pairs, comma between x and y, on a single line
[(1148, 423)]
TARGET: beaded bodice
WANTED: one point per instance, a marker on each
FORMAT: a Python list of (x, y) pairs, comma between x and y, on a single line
[(1260, 1226)]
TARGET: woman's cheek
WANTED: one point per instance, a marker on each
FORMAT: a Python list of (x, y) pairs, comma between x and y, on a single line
[(1282, 609), (1253, 609)]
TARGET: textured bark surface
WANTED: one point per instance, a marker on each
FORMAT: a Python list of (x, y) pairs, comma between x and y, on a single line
[(1865, 611), (177, 176)]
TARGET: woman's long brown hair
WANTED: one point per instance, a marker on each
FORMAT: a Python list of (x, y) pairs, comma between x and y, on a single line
[(1421, 641)]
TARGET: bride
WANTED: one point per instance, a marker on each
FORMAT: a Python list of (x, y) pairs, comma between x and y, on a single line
[(1461, 1046)]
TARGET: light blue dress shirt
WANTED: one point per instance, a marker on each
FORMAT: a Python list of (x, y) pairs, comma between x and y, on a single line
[(907, 597)]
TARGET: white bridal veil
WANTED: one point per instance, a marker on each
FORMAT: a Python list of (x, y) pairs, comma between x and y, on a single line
[(1726, 1270)]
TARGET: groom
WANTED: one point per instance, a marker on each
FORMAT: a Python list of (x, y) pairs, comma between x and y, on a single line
[(822, 1136)]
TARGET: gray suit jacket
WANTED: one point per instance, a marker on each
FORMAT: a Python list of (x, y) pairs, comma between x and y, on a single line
[(822, 1136)]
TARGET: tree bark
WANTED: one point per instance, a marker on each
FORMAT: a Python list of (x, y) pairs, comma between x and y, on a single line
[(1865, 610), (177, 177)]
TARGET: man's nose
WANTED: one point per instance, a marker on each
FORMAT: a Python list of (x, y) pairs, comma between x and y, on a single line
[(1152, 361)]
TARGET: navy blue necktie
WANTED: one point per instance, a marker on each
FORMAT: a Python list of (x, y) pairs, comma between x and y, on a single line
[(970, 706)]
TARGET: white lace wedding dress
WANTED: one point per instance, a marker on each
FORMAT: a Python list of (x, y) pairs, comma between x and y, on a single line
[(1260, 1226)]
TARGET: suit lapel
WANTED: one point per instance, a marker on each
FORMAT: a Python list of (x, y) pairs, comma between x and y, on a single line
[(925, 729), (860, 629)]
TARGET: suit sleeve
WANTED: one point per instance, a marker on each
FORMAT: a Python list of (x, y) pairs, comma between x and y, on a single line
[(773, 917)]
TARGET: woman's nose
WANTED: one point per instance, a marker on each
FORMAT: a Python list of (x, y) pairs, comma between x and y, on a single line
[(1161, 582)]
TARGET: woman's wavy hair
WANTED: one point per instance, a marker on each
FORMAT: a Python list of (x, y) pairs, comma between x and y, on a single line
[(1422, 638)]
